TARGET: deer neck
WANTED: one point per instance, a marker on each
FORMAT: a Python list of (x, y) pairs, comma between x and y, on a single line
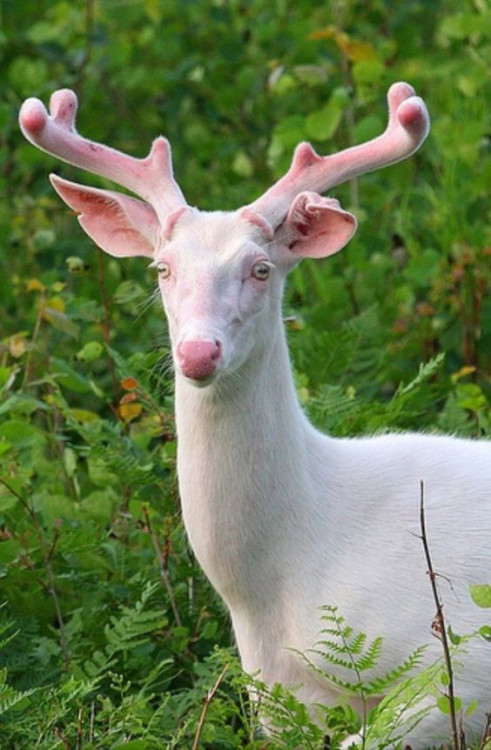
[(240, 461)]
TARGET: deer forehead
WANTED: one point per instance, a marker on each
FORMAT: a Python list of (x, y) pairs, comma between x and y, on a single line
[(213, 238)]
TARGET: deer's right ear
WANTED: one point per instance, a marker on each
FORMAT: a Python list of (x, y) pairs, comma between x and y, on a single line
[(317, 227), (120, 225)]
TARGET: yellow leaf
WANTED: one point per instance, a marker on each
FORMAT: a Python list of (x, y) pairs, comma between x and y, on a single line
[(328, 32), (154, 11), (130, 411), (17, 345), (84, 415), (463, 372), (354, 50), (294, 324), (34, 285), (56, 303)]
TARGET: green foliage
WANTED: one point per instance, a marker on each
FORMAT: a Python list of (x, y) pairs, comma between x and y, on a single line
[(108, 627), (346, 662)]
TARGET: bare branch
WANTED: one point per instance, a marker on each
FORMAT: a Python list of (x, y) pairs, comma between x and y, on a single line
[(486, 738), (438, 624), (207, 702), (164, 572)]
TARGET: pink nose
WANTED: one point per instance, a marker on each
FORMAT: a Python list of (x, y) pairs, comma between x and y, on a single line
[(199, 359)]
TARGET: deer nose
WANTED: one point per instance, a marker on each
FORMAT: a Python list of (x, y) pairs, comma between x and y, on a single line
[(199, 359)]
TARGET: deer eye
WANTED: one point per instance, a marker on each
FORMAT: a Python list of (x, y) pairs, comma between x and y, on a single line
[(163, 269), (261, 270)]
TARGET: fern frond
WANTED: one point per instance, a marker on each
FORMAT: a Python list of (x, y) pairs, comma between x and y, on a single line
[(9, 697), (347, 686), (369, 659), (357, 645), (401, 710), (381, 684), (332, 659), (9, 638)]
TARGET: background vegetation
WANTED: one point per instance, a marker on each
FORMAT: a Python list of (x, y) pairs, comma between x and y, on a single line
[(108, 626)]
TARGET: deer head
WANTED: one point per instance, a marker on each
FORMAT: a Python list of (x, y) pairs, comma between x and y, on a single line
[(220, 273)]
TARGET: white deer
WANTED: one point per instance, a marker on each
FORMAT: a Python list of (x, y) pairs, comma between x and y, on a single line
[(284, 519)]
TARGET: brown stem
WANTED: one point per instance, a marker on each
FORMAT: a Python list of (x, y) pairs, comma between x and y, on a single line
[(81, 75), (106, 321), (79, 740), (487, 732), (339, 14), (439, 623), (92, 722), (350, 125), (164, 572), (207, 702), (34, 338), (64, 740)]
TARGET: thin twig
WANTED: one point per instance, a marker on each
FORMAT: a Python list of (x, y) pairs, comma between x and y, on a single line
[(164, 572), (62, 738), (79, 739), (339, 15), (106, 319), (59, 615), (33, 342), (487, 732), (439, 622), (206, 704), (89, 46), (92, 722)]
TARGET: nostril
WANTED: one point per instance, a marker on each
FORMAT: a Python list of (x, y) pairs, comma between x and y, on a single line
[(199, 359), (218, 351)]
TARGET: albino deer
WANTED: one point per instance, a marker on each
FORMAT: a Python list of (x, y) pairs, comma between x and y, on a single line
[(282, 518)]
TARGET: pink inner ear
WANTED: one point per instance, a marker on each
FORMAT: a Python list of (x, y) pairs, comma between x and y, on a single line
[(120, 225), (317, 226)]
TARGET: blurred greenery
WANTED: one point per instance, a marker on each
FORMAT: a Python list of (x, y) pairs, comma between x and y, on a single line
[(112, 623)]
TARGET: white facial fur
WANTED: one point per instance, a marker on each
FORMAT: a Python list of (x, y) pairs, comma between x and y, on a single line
[(217, 278)]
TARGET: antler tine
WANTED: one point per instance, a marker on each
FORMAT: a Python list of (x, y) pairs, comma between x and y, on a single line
[(408, 126), (151, 178)]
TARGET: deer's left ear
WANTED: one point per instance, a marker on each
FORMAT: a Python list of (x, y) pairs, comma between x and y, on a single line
[(121, 225), (316, 227)]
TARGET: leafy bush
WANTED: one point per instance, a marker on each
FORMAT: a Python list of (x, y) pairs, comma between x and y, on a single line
[(108, 626)]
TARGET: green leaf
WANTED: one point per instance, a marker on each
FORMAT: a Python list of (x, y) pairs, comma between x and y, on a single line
[(61, 322), (472, 707), (22, 403), (90, 352), (21, 434), (322, 125), (443, 703), (462, 25), (242, 165), (68, 377), (7, 501), (481, 595), (454, 638), (129, 291), (485, 632), (470, 396)]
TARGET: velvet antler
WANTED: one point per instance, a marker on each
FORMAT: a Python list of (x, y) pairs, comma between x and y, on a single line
[(408, 126), (150, 178)]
